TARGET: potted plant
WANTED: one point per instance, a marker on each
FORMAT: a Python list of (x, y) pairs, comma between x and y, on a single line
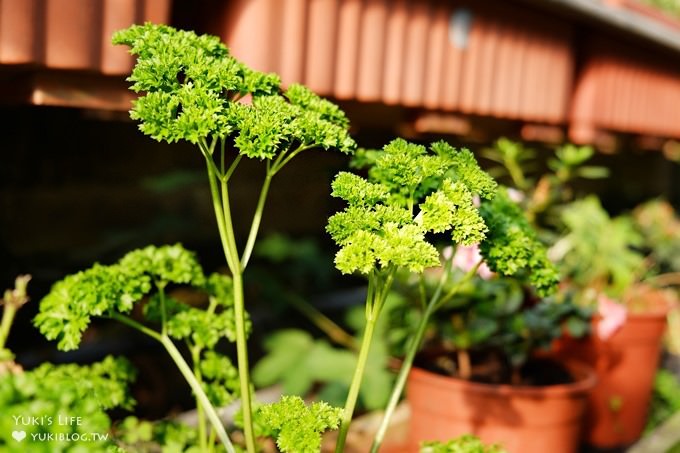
[(602, 259), (658, 223), (411, 195), (485, 370)]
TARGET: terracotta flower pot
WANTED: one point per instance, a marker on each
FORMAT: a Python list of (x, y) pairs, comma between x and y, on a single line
[(625, 365), (522, 419)]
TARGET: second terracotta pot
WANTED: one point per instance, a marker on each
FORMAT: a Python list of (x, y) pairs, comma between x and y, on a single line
[(625, 365), (521, 419)]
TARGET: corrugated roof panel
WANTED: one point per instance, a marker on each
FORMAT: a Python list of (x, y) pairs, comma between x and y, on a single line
[(487, 69), (293, 28), (635, 92), (371, 50), (394, 51), (346, 63), (72, 37), (404, 52), (471, 64), (510, 64), (436, 56), (415, 54), (321, 45), (72, 34), (20, 41), (452, 76)]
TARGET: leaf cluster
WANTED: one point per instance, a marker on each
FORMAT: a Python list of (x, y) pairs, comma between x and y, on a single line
[(496, 315), (106, 290), (191, 88), (659, 226), (544, 184), (410, 191), (219, 377), (512, 247), (167, 436), (599, 251), (46, 392), (296, 426)]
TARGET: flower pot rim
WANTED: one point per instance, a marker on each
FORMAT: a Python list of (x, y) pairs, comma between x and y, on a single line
[(584, 375)]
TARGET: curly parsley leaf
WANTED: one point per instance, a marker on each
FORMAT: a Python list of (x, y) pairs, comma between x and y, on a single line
[(191, 90), (51, 391), (296, 426), (411, 191), (66, 311), (220, 378), (512, 247)]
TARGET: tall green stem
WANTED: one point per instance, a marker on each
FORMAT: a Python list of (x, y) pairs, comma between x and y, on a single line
[(198, 391), (377, 292), (406, 365), (213, 179), (200, 412), (257, 218), (404, 371), (242, 356), (240, 321), (433, 305), (188, 376), (220, 197), (356, 384), (7, 320)]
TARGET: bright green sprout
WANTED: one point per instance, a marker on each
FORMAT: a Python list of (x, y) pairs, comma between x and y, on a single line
[(296, 426)]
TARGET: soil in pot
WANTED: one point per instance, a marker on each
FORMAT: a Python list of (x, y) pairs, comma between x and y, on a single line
[(542, 413)]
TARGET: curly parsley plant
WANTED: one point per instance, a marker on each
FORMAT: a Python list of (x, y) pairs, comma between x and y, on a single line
[(142, 277), (411, 195), (193, 90)]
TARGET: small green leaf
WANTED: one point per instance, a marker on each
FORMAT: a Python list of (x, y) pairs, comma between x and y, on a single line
[(298, 427)]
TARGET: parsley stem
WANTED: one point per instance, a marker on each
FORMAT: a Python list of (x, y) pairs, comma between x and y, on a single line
[(200, 412), (198, 391), (229, 228), (356, 383), (231, 168), (164, 314), (188, 376), (378, 295), (280, 164), (13, 300), (400, 383), (242, 356), (135, 325), (239, 319), (336, 333), (435, 302), (220, 197), (7, 320), (257, 219), (219, 215), (404, 371)]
